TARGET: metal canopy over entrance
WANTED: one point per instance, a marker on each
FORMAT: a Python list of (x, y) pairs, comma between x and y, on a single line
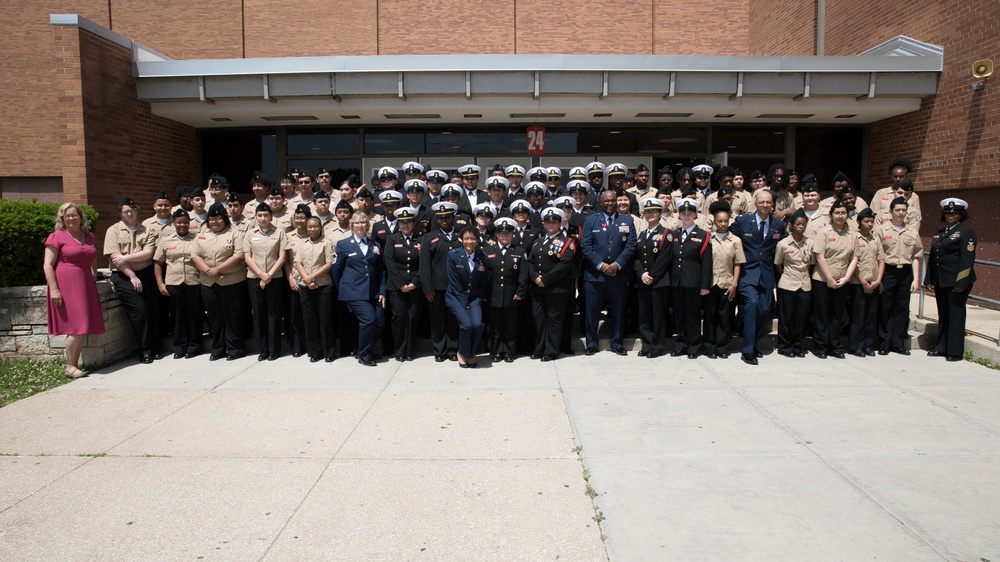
[(553, 89)]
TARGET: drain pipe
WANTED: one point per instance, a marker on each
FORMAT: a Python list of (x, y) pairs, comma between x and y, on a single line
[(820, 27)]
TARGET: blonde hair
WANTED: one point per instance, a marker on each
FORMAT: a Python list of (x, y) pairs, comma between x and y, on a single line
[(360, 217), (60, 225)]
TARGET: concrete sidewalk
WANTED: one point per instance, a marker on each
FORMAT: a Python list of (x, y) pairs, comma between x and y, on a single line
[(889, 458)]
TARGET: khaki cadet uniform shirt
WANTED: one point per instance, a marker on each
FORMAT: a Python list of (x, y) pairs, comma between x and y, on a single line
[(837, 247), (869, 252), (124, 240), (671, 223), (250, 209), (294, 241), (901, 246), (199, 223), (176, 252), (795, 259), (912, 217), (884, 196), (283, 220), (726, 254), (786, 200), (158, 227), (265, 247), (705, 222), (335, 233), (313, 254), (217, 247), (240, 227)]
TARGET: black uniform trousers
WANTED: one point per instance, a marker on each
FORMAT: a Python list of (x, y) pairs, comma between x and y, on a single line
[(187, 312), (141, 308), (894, 307), (444, 329), (406, 309), (687, 316), (503, 329), (864, 318), (793, 319), (829, 307), (718, 311), (951, 320), (346, 326), (224, 305), (653, 306), (317, 317), (389, 329), (526, 331), (549, 311), (294, 320), (267, 305), (566, 337)]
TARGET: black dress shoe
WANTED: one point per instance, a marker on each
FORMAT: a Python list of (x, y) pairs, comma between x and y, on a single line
[(567, 352), (262, 357), (146, 358), (452, 357), (508, 358), (297, 354), (748, 358), (192, 354), (653, 354), (178, 356), (820, 354), (858, 353), (786, 353), (235, 356), (535, 356), (590, 351), (367, 362), (314, 359), (214, 357), (800, 353), (692, 355), (934, 353), (330, 359), (546, 358), (642, 353), (954, 358), (272, 357), (676, 353), (157, 355), (883, 352), (408, 358), (900, 351), (838, 355), (620, 351), (724, 356), (869, 352), (757, 353), (494, 358), (711, 356), (400, 358)]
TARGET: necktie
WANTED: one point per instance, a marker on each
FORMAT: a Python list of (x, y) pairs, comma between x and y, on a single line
[(684, 235), (760, 227)]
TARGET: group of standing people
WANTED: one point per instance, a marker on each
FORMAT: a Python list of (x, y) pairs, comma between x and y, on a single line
[(511, 264)]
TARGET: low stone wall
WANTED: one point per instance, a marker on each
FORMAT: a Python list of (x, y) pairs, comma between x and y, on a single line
[(24, 332)]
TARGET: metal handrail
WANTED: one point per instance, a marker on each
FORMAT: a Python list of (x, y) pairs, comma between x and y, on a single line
[(920, 309)]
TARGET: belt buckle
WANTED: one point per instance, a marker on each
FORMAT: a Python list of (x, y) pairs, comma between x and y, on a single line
[(899, 266)]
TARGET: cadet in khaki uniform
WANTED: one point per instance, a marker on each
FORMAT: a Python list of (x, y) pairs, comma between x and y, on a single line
[(792, 258), (264, 249), (260, 184), (904, 191), (198, 212), (899, 168), (294, 325), (727, 259), (281, 215), (903, 251), (160, 221), (834, 253), (181, 283), (130, 247), (234, 205), (218, 255), (865, 287), (313, 260), (816, 219)]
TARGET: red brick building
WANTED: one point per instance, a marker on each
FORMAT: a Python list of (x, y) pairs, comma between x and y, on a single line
[(131, 97)]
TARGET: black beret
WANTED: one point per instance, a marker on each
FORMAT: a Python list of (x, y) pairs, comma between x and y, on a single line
[(161, 195), (276, 191), (127, 202), (304, 209), (233, 197), (263, 206), (343, 204), (865, 213), (180, 213)]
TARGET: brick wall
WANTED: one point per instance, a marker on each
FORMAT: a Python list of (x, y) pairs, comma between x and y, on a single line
[(306, 28), (186, 29), (779, 27), (697, 27), (111, 144), (447, 27)]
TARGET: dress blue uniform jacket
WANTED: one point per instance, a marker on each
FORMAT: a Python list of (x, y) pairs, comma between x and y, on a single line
[(463, 285), (758, 271), (358, 277), (606, 242)]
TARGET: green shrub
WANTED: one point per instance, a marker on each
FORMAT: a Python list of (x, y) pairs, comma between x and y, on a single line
[(24, 226)]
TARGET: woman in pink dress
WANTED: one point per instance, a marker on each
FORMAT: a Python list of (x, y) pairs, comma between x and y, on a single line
[(73, 305)]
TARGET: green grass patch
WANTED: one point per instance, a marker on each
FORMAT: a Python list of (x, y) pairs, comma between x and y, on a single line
[(981, 361), (22, 378)]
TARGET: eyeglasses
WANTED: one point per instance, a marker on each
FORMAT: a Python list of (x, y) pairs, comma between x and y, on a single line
[(305, 182)]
